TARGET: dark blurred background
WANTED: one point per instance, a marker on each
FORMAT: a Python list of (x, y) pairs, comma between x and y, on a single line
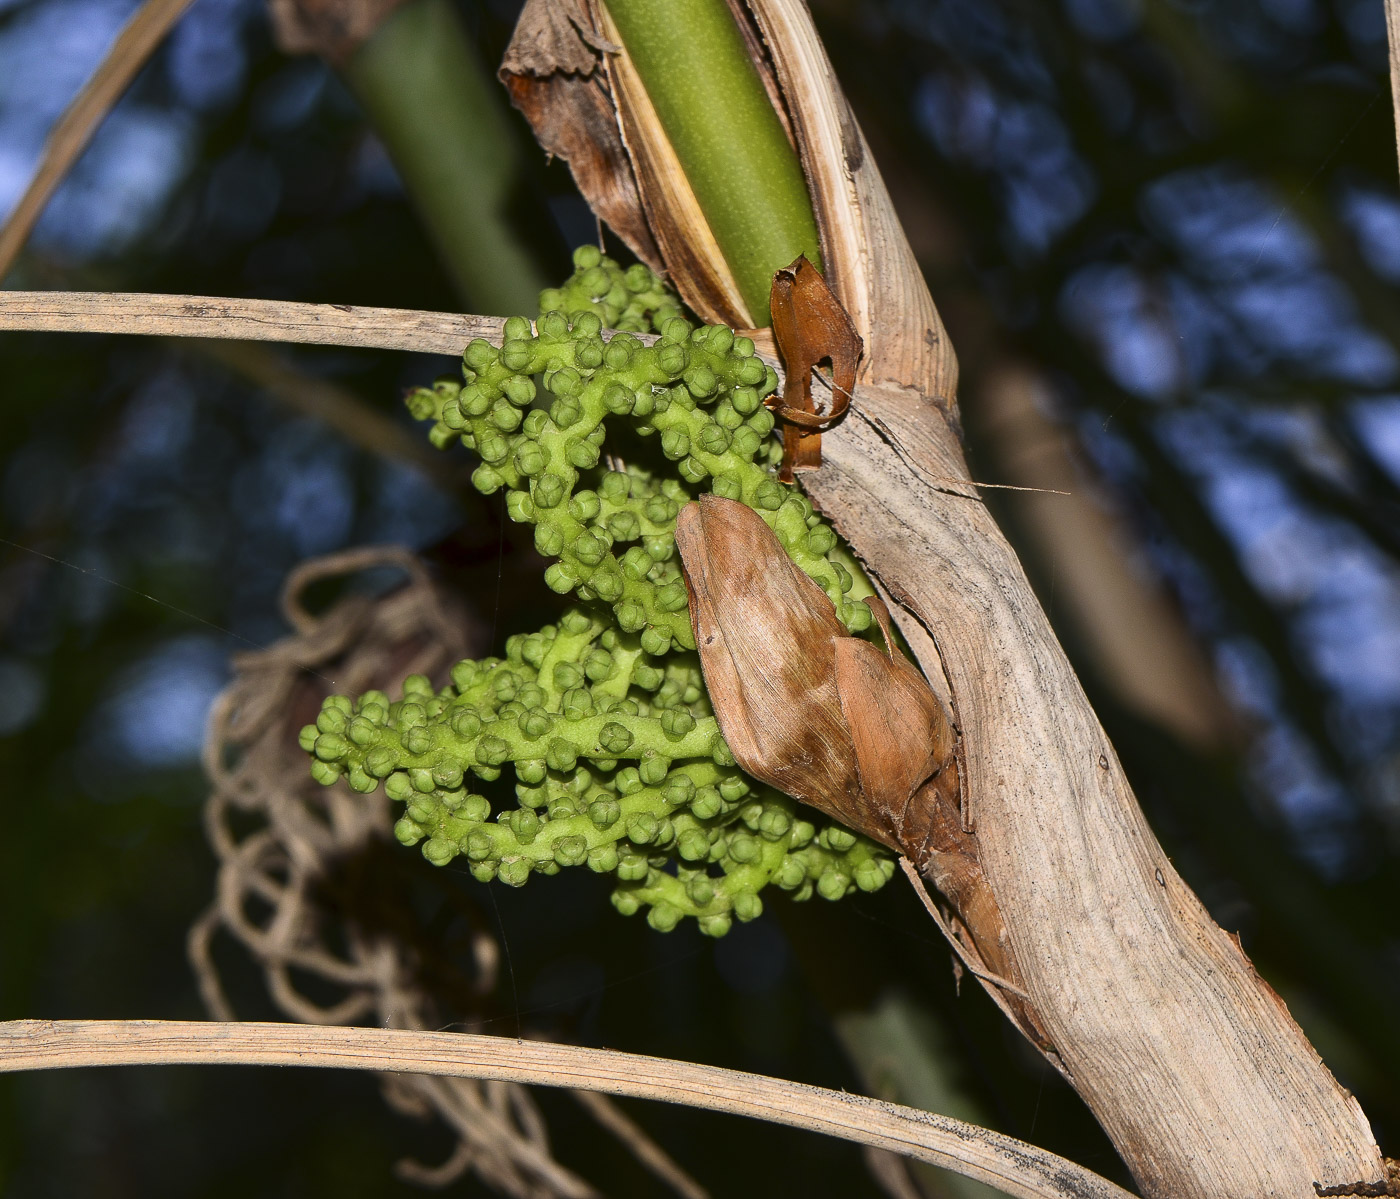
[(1165, 238)]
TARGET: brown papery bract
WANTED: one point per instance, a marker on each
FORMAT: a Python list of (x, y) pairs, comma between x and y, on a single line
[(828, 718)]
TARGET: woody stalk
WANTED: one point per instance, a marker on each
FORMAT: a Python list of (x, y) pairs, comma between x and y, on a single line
[(986, 767)]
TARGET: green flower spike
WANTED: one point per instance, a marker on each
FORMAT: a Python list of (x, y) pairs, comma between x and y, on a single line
[(603, 719)]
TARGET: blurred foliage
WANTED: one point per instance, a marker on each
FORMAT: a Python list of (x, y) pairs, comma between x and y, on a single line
[(1185, 216)]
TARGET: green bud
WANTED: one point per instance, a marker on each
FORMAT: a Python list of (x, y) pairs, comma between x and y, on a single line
[(615, 738), (447, 774), (475, 400), (628, 781), (571, 851), (397, 786), (747, 906), (566, 412), (675, 443), (561, 755), (530, 460), (421, 403), (567, 675), (549, 541), (380, 762), (624, 526), (585, 506), (675, 330), (746, 443), (821, 541), (466, 723), (439, 851), (701, 381), (625, 902), (712, 439), (700, 891), (653, 769), (535, 723), (531, 770), (837, 839), (672, 597), (577, 703), (832, 884), (519, 506), (602, 859), (631, 616), (774, 824), (607, 584), (479, 845), (760, 424), (642, 829), (576, 622), (549, 490), (514, 873), (330, 748), (582, 454), (416, 740), (406, 832), (743, 848), (631, 868), (525, 824), (692, 470), (664, 916), (619, 352), (604, 812), (492, 751), (654, 641), (588, 548), (560, 579), (492, 447), (307, 738), (693, 845), (715, 926), (733, 788), (791, 874), (505, 416), (728, 486), (676, 723)]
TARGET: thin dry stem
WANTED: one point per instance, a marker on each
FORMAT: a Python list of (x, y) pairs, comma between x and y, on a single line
[(244, 320), (80, 120), (1013, 1166)]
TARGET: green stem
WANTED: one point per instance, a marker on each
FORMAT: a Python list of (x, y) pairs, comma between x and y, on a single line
[(442, 119), (711, 102)]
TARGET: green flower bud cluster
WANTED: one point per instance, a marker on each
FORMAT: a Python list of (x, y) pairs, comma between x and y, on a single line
[(619, 766), (603, 720), (698, 391)]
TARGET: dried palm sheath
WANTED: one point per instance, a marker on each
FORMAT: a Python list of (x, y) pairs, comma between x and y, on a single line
[(1079, 927)]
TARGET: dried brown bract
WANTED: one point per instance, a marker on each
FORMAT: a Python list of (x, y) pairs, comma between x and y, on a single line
[(805, 706), (810, 326), (827, 717)]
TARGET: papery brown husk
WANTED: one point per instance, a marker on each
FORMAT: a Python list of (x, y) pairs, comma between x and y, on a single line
[(828, 718)]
